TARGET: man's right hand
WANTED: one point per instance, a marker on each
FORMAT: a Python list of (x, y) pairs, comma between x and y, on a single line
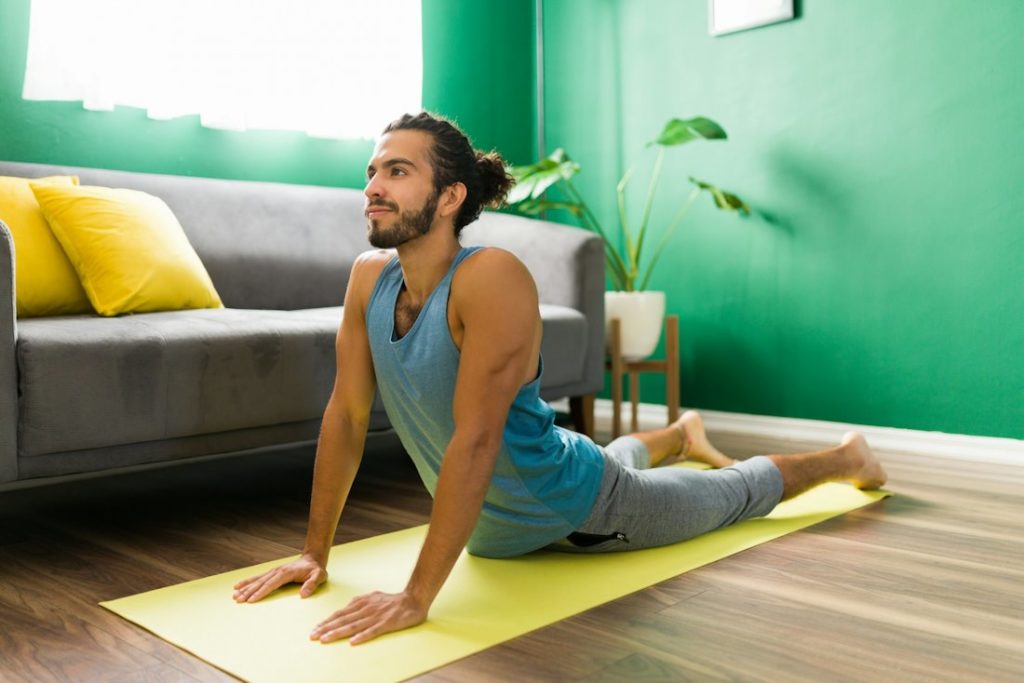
[(305, 570)]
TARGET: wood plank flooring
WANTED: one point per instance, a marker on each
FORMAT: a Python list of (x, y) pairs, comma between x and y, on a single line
[(925, 586)]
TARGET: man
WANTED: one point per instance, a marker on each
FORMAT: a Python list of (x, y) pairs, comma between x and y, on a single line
[(452, 338)]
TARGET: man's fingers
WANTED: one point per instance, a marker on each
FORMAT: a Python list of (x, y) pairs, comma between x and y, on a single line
[(252, 583), (345, 630), (245, 582), (368, 634), (309, 574), (369, 616), (353, 609), (342, 616), (243, 594), (269, 586), (268, 583), (341, 621), (249, 588)]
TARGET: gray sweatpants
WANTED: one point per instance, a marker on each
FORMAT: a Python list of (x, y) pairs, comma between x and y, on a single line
[(639, 507)]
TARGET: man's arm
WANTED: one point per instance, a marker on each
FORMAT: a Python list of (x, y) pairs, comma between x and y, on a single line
[(497, 305), (340, 445)]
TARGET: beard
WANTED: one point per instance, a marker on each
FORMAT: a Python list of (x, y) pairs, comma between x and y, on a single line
[(408, 226)]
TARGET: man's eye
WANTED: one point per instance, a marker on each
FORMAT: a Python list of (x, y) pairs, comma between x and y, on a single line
[(397, 171)]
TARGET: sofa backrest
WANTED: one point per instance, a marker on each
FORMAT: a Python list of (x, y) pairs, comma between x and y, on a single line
[(265, 245), (286, 247)]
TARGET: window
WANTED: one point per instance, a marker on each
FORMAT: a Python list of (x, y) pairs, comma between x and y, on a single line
[(330, 68)]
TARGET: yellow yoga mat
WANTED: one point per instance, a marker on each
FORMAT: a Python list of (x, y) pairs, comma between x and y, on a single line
[(483, 603)]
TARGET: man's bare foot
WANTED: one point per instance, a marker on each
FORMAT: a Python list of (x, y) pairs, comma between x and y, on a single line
[(868, 471), (695, 442)]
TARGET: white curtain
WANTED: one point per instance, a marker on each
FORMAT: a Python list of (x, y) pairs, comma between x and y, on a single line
[(330, 68)]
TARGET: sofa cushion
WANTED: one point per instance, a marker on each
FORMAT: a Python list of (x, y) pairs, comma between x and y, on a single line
[(89, 382)]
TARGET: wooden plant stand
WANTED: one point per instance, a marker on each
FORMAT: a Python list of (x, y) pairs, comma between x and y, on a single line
[(669, 366)]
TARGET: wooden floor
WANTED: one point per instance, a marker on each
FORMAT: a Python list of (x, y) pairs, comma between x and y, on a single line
[(925, 586)]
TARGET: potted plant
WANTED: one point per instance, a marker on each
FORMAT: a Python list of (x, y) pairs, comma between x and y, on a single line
[(640, 311)]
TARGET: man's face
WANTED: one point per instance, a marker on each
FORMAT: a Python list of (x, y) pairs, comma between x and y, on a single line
[(400, 199)]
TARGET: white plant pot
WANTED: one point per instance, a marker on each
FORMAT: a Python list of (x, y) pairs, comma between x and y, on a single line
[(642, 315)]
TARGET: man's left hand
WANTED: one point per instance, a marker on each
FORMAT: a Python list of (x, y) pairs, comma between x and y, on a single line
[(369, 616)]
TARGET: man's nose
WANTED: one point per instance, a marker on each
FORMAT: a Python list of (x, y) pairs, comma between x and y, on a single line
[(373, 188)]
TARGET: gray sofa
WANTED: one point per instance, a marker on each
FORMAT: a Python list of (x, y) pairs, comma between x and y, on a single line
[(86, 393)]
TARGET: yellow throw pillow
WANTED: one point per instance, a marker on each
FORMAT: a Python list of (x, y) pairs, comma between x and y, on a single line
[(45, 280), (128, 248)]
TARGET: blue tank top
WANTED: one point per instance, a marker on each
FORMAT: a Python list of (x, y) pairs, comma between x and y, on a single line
[(546, 478)]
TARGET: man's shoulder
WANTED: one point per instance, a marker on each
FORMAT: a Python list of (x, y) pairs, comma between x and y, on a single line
[(369, 264), (492, 272), (494, 263), (366, 271), (374, 258)]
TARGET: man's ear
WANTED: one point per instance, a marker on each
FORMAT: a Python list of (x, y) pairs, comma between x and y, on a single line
[(451, 199)]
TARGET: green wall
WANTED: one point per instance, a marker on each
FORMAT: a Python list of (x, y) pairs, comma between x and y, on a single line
[(468, 46), (882, 140)]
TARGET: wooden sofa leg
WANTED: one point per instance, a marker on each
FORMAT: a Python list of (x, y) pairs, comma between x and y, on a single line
[(581, 409)]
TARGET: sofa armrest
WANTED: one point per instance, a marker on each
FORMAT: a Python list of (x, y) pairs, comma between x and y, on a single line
[(568, 265), (8, 360)]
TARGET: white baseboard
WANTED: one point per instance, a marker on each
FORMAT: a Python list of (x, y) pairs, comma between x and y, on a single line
[(723, 425)]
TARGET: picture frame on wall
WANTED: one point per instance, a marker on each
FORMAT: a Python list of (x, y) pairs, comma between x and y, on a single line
[(730, 16)]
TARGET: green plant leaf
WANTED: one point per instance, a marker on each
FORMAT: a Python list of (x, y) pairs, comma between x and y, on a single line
[(680, 131), (533, 180), (723, 200), (534, 207)]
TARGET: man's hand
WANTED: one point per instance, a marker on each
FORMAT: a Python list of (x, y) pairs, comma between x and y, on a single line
[(305, 570), (369, 616)]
